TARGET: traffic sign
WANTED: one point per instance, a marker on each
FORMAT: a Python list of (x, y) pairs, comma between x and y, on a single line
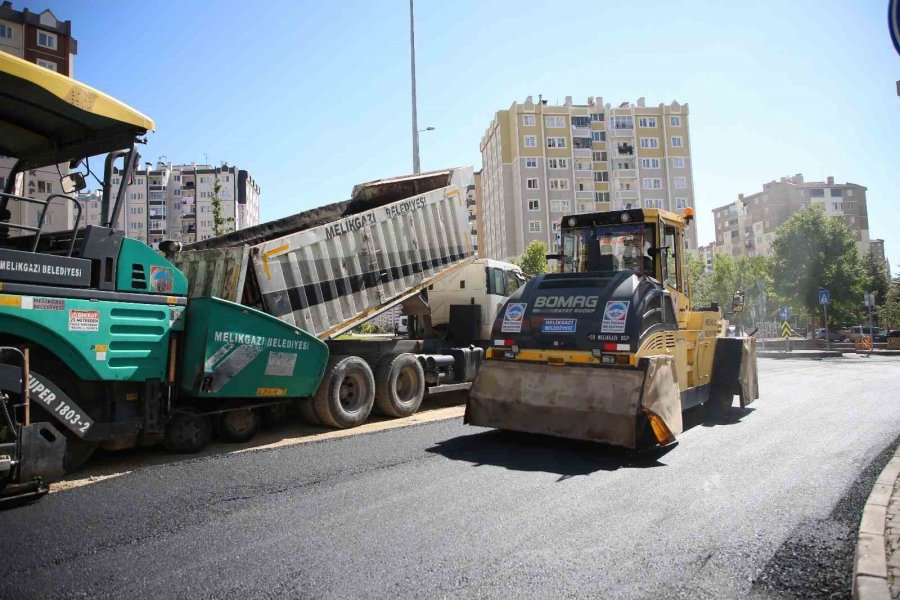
[(785, 313), (824, 297), (869, 299), (786, 329)]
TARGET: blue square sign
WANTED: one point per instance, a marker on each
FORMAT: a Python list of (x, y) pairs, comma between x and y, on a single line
[(824, 297)]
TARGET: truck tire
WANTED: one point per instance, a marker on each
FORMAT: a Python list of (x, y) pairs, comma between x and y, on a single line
[(238, 426), (187, 433), (346, 394), (274, 416), (307, 412), (400, 385)]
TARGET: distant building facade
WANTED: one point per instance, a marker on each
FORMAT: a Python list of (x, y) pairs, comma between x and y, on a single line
[(541, 162), (42, 39), (747, 226)]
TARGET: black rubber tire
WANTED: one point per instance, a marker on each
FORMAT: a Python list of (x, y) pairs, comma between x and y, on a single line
[(346, 394), (399, 385), (274, 416), (238, 426), (308, 413), (187, 433)]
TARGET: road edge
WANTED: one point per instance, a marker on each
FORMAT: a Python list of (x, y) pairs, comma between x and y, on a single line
[(872, 579)]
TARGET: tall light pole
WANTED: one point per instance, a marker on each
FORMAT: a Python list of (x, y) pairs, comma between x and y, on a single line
[(412, 68)]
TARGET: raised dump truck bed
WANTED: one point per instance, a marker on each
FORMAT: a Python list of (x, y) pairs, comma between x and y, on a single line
[(329, 269)]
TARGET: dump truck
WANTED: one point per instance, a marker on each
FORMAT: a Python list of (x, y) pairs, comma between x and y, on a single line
[(106, 341), (610, 348)]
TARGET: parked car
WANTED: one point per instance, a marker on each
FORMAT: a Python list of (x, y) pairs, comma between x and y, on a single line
[(858, 331), (833, 335)]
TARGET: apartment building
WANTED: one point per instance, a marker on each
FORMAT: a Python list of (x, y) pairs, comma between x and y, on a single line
[(166, 201), (541, 162), (473, 203), (707, 254), (42, 39), (876, 249), (746, 227)]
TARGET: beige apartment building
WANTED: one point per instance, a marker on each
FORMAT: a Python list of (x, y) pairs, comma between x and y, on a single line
[(541, 162), (174, 202), (746, 227)]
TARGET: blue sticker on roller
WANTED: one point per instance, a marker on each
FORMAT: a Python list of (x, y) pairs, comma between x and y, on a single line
[(559, 325)]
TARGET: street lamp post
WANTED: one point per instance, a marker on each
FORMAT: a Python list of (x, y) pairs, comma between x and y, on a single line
[(412, 68)]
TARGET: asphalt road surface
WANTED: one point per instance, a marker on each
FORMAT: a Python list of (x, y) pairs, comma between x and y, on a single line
[(765, 506)]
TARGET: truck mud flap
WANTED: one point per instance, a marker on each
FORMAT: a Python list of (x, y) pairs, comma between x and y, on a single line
[(601, 404), (43, 451)]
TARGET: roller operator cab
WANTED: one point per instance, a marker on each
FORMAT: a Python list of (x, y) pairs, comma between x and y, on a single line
[(610, 348)]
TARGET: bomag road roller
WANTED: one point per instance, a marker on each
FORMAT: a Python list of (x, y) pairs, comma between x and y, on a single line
[(610, 348)]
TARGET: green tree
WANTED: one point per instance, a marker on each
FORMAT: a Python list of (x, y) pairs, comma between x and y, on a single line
[(534, 260), (889, 310), (221, 224), (813, 251), (876, 277), (729, 275)]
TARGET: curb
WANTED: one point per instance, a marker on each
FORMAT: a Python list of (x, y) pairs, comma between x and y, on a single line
[(871, 579), (800, 354)]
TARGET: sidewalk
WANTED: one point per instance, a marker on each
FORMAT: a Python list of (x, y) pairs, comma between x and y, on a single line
[(876, 572)]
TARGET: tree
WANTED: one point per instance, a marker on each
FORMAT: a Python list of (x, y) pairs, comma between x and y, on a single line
[(876, 277), (534, 260), (889, 310), (813, 251), (221, 224), (729, 275)]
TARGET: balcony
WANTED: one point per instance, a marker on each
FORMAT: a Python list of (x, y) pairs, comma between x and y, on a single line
[(626, 194), (581, 131), (625, 173), (474, 231), (470, 202), (582, 152), (622, 133), (471, 218), (584, 196), (584, 173)]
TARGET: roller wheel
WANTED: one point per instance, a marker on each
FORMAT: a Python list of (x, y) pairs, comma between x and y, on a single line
[(238, 425), (346, 394), (188, 433), (719, 404), (400, 385)]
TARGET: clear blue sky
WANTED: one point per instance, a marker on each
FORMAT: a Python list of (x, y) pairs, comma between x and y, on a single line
[(313, 97)]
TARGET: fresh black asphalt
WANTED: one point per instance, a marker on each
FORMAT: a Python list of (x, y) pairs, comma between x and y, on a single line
[(758, 507)]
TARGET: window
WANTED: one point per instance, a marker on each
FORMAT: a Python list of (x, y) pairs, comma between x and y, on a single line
[(534, 205), (532, 183), (675, 121), (598, 136), (816, 193), (647, 122), (47, 64), (46, 39), (531, 141), (139, 181), (531, 163), (680, 183), (837, 205), (649, 142), (45, 187), (556, 142), (203, 179), (559, 184), (678, 162), (597, 117), (177, 178), (5, 31), (652, 203), (649, 163), (558, 163), (581, 121), (600, 176), (534, 226), (600, 156), (555, 121), (835, 193), (559, 205), (623, 123), (680, 202), (528, 120), (652, 183), (849, 193), (582, 143), (677, 141), (601, 196)]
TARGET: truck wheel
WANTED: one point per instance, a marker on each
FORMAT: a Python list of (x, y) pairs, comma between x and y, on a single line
[(274, 416), (187, 433), (238, 425), (346, 394), (400, 385), (308, 412)]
